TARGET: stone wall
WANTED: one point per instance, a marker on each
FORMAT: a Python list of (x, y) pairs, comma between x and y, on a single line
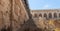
[(20, 15), (48, 13), (5, 7), (13, 14)]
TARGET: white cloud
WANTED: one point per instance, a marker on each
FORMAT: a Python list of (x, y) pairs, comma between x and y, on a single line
[(46, 6)]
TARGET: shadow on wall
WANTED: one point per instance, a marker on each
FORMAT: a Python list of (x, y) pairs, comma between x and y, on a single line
[(29, 26)]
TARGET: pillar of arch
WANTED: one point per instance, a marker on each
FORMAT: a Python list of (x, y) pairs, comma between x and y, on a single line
[(47, 15), (50, 15), (42, 14), (55, 15)]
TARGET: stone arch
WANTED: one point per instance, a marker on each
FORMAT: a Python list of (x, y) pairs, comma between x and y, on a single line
[(55, 15), (40, 15), (35, 15), (45, 15), (50, 15), (59, 14)]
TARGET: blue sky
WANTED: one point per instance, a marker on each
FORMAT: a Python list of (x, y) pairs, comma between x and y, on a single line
[(44, 4)]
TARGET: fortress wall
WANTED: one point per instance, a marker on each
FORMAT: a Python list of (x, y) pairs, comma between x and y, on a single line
[(5, 7), (13, 14), (47, 13)]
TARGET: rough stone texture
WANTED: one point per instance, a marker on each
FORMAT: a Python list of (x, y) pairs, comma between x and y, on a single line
[(47, 25), (13, 14), (5, 7), (19, 15)]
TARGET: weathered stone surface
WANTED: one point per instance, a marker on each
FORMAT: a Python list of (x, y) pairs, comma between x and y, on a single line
[(15, 16), (12, 13), (5, 7), (19, 15)]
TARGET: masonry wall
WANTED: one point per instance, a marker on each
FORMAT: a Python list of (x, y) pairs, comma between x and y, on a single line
[(13, 14), (5, 7), (49, 14), (20, 14)]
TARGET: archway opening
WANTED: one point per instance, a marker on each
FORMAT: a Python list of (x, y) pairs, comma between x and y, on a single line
[(35, 15), (59, 15), (55, 15), (50, 15), (45, 15), (40, 15)]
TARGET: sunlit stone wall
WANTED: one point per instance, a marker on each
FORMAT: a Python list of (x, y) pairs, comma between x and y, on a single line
[(49, 14), (13, 14)]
